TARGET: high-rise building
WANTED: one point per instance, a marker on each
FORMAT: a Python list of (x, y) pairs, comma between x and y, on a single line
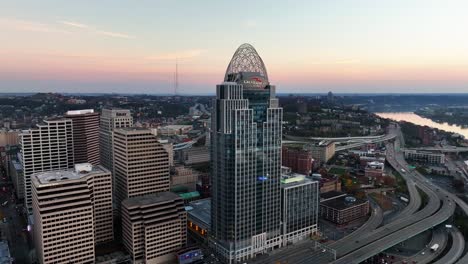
[(45, 148), (141, 164), (154, 227), (111, 119), (299, 207), (246, 160), (85, 135), (67, 201), (72, 212)]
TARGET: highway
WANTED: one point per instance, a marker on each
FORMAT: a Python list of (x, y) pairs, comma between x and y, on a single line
[(372, 223), (456, 250), (426, 255), (404, 227)]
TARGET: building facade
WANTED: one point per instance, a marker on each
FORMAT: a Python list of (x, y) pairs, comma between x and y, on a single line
[(298, 159), (246, 160), (72, 212), (425, 156), (322, 151), (343, 209), (154, 227), (45, 148), (111, 119), (299, 207), (85, 135), (141, 164)]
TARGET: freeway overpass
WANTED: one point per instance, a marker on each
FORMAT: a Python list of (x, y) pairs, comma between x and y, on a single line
[(443, 149)]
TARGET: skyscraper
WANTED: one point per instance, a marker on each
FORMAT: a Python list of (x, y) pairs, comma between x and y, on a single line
[(141, 164), (72, 212), (246, 160), (154, 227), (85, 135), (45, 148), (111, 119)]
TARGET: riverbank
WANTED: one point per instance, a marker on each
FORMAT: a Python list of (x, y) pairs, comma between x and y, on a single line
[(423, 121), (451, 116)]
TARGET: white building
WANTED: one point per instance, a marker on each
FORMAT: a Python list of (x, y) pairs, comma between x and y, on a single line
[(72, 212)]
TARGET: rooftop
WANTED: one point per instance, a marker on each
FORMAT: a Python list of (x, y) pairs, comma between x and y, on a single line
[(201, 212), (80, 112), (80, 171), (5, 256), (331, 194), (340, 203), (150, 199)]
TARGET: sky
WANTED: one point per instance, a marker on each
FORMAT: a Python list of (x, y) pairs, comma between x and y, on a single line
[(131, 46)]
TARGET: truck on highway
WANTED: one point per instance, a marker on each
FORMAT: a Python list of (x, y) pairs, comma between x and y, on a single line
[(404, 199), (435, 247), (403, 170)]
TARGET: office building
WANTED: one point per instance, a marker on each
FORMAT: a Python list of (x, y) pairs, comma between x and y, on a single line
[(85, 135), (374, 169), (141, 164), (298, 159), (299, 207), (111, 119), (154, 227), (16, 174), (9, 137), (425, 156), (45, 148), (246, 161), (343, 209), (322, 151), (72, 212)]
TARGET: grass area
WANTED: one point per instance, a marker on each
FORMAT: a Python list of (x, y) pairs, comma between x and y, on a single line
[(461, 221), (384, 202), (401, 183), (337, 171), (422, 170), (424, 198)]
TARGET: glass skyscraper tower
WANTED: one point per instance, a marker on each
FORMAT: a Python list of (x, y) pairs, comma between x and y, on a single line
[(246, 160)]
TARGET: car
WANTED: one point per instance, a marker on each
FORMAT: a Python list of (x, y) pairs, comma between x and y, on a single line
[(4, 220)]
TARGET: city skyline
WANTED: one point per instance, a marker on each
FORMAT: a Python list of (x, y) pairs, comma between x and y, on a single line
[(353, 47)]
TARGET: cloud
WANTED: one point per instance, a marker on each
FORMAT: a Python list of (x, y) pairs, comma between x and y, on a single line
[(115, 34), (185, 54), (74, 24), (96, 31), (24, 25)]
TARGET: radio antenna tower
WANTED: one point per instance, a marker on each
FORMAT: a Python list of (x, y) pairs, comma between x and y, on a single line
[(176, 78)]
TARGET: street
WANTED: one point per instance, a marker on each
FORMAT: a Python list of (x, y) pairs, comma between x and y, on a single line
[(13, 226)]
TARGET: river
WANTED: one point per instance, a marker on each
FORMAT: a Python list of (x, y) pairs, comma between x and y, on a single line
[(422, 121)]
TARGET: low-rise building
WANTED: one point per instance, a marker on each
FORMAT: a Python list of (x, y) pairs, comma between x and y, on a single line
[(322, 151), (154, 227), (424, 156), (374, 169), (193, 155), (298, 159), (172, 130), (330, 184), (343, 209)]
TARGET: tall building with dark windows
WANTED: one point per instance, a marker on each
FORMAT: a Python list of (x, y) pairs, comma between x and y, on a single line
[(85, 135), (110, 120), (246, 160)]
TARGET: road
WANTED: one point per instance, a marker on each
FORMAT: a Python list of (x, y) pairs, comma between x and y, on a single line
[(456, 250), (426, 255), (405, 227), (14, 230)]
